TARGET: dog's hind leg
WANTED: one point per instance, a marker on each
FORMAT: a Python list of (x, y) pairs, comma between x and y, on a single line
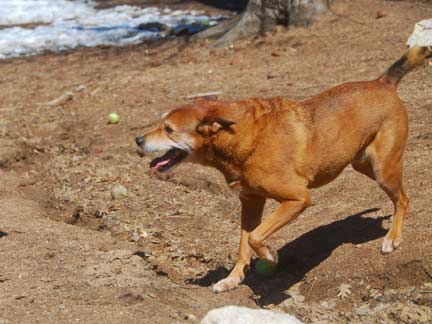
[(364, 166), (390, 180), (252, 209), (384, 164)]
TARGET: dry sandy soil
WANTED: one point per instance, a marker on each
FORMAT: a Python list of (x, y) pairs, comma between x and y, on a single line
[(152, 256)]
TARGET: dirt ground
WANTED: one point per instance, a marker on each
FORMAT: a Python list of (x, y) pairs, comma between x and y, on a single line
[(152, 257)]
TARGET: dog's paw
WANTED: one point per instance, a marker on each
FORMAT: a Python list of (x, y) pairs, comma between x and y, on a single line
[(227, 284), (272, 257), (388, 245)]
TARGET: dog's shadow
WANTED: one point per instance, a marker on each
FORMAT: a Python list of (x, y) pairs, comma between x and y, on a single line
[(298, 257)]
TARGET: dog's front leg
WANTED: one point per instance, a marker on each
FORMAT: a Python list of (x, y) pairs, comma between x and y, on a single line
[(285, 213), (252, 209)]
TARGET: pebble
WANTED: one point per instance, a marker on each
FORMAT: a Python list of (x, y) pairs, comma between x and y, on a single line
[(191, 317), (138, 234), (80, 88), (118, 191)]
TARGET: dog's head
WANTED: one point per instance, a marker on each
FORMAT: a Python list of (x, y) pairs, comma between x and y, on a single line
[(183, 134)]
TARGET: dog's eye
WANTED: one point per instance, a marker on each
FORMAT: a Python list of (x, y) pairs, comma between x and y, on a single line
[(168, 129)]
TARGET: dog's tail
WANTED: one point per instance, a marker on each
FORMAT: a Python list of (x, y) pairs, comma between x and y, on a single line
[(414, 57)]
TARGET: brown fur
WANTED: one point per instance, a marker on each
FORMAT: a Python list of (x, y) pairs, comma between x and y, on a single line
[(280, 149)]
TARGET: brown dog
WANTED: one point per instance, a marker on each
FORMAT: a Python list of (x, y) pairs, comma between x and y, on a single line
[(280, 149)]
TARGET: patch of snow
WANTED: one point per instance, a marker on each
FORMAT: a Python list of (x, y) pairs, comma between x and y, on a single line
[(63, 25), (16, 12)]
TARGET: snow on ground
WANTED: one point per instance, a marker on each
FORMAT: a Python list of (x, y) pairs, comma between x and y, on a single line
[(62, 25)]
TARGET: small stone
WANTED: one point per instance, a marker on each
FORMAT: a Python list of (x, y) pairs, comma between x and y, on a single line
[(118, 191), (380, 14), (191, 317), (138, 234), (75, 217), (298, 298), (80, 88)]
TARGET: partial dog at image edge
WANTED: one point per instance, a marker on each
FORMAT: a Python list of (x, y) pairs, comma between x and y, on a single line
[(280, 149)]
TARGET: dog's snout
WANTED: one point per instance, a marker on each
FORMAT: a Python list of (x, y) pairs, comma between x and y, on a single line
[(139, 140)]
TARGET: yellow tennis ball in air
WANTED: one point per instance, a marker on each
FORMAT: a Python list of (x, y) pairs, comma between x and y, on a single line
[(113, 118)]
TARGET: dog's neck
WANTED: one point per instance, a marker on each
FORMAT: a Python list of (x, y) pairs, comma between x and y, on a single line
[(227, 152), (224, 158)]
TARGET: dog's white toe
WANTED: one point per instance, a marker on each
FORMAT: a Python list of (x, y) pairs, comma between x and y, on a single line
[(387, 246), (226, 284)]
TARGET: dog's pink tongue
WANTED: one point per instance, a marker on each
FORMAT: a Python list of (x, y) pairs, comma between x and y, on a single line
[(161, 164)]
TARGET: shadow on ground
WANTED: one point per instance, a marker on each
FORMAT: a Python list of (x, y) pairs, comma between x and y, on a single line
[(3, 234), (300, 256)]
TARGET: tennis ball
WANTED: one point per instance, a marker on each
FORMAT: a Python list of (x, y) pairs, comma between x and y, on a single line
[(113, 118), (265, 269)]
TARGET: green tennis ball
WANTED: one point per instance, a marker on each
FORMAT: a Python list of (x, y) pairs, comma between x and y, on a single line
[(113, 118), (265, 269)]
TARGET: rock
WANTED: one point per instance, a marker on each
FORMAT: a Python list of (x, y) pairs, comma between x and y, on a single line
[(154, 27), (75, 216), (299, 298), (191, 318), (138, 234), (380, 14), (244, 315), (118, 192), (422, 34), (80, 88)]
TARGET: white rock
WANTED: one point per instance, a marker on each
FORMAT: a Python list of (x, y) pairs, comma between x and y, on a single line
[(422, 34), (244, 315), (118, 191)]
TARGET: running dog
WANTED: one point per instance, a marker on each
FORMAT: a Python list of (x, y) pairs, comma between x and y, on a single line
[(280, 149)]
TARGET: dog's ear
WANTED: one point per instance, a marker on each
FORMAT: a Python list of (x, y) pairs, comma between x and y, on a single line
[(209, 127)]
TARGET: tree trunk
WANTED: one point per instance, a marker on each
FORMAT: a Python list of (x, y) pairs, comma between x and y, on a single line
[(261, 16)]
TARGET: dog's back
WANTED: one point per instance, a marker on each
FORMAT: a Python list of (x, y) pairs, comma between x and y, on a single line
[(346, 119)]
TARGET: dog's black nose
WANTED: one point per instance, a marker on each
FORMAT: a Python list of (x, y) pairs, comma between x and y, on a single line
[(139, 140)]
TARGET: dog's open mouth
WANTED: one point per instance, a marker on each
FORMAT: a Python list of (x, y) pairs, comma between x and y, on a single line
[(168, 160)]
